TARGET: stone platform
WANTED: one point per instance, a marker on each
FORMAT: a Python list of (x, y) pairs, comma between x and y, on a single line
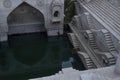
[(93, 74)]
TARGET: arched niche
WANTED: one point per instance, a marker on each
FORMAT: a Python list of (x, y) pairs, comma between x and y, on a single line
[(25, 19)]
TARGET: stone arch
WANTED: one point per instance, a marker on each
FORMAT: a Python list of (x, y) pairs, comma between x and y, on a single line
[(25, 19)]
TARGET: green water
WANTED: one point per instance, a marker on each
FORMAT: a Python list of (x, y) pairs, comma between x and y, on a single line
[(35, 55)]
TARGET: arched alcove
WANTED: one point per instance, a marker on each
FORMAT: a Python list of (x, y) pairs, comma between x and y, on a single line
[(56, 14), (25, 19)]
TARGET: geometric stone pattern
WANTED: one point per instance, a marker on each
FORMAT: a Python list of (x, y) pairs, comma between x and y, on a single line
[(7, 3)]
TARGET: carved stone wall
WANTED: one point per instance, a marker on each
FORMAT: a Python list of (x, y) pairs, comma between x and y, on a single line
[(25, 19), (45, 8)]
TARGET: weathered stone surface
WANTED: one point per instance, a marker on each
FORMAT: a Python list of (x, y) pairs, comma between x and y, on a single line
[(116, 3), (94, 74), (46, 7), (7, 3), (117, 67)]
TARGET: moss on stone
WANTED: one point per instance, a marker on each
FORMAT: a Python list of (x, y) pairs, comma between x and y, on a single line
[(69, 11)]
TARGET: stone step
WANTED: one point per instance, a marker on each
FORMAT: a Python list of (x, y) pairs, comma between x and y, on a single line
[(108, 39), (113, 50), (103, 16), (92, 44), (73, 40), (90, 64), (87, 60), (110, 42), (111, 47), (90, 61), (111, 62), (107, 10), (92, 41)]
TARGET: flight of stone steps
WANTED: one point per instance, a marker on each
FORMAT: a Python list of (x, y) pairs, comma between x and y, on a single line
[(106, 14), (89, 19), (112, 61), (73, 40), (108, 40), (109, 59), (110, 45), (85, 58), (87, 61), (91, 39)]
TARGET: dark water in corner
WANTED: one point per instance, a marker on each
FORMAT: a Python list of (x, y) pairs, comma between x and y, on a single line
[(35, 55)]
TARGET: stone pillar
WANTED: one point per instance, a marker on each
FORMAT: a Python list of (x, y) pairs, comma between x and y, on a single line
[(117, 66)]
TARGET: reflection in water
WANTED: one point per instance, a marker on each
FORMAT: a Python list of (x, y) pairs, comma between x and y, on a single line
[(35, 55)]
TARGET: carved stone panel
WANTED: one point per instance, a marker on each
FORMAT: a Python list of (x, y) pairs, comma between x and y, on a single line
[(7, 3), (40, 2)]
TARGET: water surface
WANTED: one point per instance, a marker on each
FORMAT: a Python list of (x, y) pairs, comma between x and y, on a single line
[(35, 55)]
